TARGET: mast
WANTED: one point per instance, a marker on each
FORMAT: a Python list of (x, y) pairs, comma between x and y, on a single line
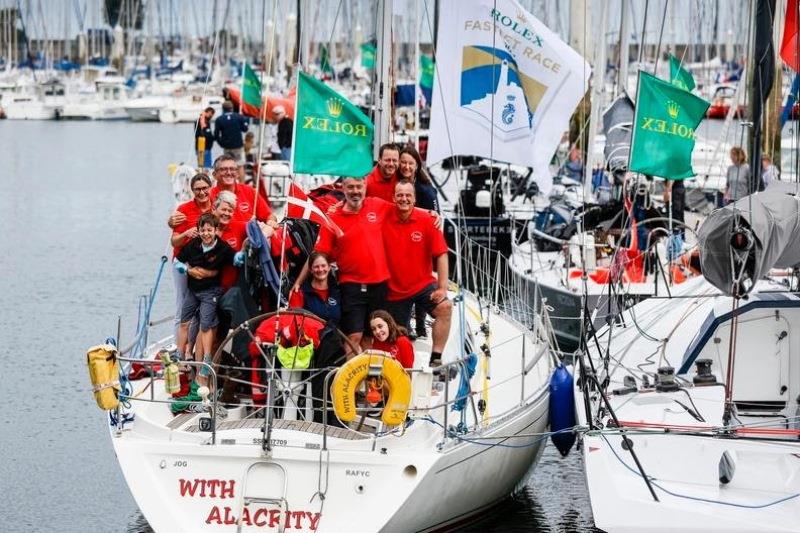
[(417, 79), (598, 90), (761, 77), (383, 86), (624, 47)]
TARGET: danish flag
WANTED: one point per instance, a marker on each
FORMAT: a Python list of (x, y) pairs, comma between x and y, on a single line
[(301, 206)]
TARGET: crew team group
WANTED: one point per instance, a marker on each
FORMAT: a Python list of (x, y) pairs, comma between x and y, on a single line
[(384, 238)]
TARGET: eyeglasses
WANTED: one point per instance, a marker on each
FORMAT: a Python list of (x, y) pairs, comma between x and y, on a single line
[(200, 189), (228, 169)]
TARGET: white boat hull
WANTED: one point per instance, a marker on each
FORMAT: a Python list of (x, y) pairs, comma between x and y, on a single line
[(195, 487), (33, 111)]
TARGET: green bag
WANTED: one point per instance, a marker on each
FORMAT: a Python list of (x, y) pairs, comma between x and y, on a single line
[(296, 357)]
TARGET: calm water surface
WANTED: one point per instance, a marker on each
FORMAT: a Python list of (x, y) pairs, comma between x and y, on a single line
[(83, 207)]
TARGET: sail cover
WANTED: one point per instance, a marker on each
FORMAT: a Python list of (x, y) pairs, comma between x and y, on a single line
[(617, 124), (772, 216)]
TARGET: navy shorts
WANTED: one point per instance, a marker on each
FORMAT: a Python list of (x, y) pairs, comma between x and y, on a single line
[(359, 300), (401, 309), (206, 302)]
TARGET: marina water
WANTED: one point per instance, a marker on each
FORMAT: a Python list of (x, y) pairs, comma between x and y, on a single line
[(84, 208)]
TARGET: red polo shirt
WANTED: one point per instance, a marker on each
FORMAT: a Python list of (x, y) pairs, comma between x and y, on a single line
[(401, 349), (411, 245), (245, 195), (234, 234), (359, 252), (379, 187), (192, 212)]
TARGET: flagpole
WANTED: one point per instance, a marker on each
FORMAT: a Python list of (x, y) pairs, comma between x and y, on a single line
[(294, 122), (241, 89)]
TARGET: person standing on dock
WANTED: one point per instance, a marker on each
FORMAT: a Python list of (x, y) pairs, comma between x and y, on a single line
[(204, 137), (413, 243), (285, 127), (228, 132), (382, 179)]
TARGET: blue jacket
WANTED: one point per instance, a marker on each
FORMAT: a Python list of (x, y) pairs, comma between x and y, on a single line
[(330, 311), (228, 130)]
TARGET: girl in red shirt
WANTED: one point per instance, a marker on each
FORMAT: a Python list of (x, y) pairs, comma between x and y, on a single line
[(387, 336)]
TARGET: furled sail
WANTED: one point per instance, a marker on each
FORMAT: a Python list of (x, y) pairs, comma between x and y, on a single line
[(744, 240), (617, 124)]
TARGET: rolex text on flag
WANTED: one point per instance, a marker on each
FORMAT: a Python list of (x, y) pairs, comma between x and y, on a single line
[(664, 129), (332, 136)]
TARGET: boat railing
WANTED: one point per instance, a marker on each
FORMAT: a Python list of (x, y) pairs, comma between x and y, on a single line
[(289, 395)]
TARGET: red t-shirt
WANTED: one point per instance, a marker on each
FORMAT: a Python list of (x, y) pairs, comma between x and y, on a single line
[(192, 212), (359, 252), (401, 349), (244, 203), (379, 187), (411, 247), (234, 234)]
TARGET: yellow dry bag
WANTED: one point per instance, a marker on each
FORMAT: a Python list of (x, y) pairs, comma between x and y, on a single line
[(104, 374)]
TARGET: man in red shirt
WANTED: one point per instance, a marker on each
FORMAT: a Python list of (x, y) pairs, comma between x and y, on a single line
[(359, 254), (226, 178), (412, 244), (382, 179), (226, 173)]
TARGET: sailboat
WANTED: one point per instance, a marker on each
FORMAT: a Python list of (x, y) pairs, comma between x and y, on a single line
[(446, 444), (689, 405)]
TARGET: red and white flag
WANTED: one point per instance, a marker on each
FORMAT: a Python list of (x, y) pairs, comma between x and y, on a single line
[(301, 206), (789, 45)]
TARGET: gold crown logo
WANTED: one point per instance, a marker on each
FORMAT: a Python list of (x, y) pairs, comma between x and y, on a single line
[(672, 109), (335, 107), (521, 17)]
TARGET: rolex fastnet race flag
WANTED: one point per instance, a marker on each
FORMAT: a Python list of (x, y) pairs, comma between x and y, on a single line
[(664, 129), (505, 86), (331, 135)]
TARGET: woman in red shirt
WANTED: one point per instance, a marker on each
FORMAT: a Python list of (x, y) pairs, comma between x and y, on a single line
[(387, 336)]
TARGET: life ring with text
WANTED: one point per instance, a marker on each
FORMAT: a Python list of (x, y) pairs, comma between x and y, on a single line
[(372, 364)]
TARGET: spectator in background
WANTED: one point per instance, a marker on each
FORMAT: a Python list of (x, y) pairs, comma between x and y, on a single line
[(737, 181), (228, 131), (285, 127), (769, 172), (202, 130)]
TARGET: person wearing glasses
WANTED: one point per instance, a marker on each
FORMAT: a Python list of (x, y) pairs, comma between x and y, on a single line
[(184, 228), (226, 174)]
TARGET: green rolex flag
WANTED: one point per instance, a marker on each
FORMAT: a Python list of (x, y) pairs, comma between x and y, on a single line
[(426, 71), (251, 87), (664, 129), (331, 135), (679, 76), (368, 55), (325, 60)]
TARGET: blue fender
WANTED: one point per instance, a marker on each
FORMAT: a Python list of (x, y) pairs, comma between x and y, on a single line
[(562, 410)]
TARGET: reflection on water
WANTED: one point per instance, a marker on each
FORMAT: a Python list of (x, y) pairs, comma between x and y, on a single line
[(84, 208)]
